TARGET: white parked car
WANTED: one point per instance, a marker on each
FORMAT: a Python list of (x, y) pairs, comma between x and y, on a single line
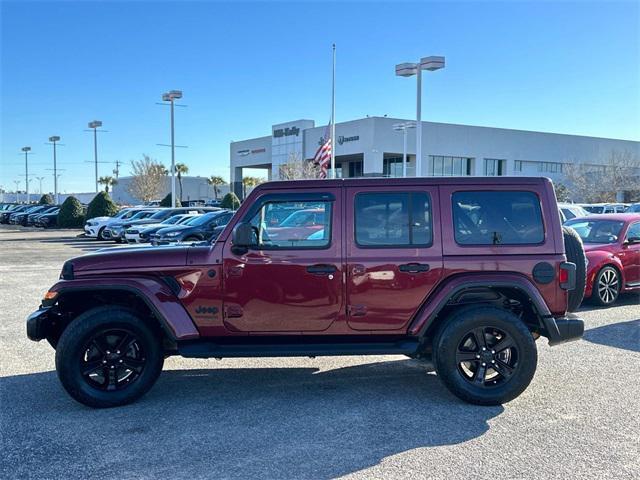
[(94, 227), (569, 211)]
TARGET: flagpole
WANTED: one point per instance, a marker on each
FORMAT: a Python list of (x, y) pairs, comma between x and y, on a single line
[(333, 115)]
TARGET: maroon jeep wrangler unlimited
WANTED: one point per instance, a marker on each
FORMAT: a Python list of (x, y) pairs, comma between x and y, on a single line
[(463, 273)]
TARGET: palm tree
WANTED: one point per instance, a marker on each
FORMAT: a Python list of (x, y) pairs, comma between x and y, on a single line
[(181, 169), (216, 181), (250, 182), (107, 181)]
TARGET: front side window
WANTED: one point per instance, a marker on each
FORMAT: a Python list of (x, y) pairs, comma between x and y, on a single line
[(292, 224), (497, 218), (393, 219)]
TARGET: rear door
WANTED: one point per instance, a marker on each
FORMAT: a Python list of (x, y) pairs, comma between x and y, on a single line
[(394, 254), (630, 256)]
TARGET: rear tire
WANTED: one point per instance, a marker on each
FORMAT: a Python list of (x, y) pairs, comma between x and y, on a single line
[(99, 235), (485, 355), (108, 357), (574, 250)]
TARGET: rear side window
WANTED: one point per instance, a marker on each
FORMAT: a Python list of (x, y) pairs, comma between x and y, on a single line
[(393, 219), (497, 218)]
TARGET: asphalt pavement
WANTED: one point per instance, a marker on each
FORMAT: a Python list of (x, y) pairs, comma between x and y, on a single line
[(380, 417)]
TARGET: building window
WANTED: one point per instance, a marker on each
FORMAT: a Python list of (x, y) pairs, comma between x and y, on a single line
[(393, 219), (494, 167), (517, 166), (444, 166), (550, 167), (392, 167), (355, 169)]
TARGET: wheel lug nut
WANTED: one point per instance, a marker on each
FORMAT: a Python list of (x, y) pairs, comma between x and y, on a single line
[(483, 349), (112, 367), (104, 361), (120, 361), (484, 364), (477, 356), (118, 352), (108, 352), (493, 351), (493, 361)]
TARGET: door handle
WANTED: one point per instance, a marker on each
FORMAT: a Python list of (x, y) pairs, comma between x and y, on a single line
[(322, 269), (414, 267)]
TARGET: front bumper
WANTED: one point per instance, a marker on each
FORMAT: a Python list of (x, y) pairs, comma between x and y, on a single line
[(563, 329), (40, 323), (91, 231)]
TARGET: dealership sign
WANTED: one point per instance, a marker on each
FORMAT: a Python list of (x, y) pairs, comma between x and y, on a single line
[(341, 139), (246, 151), (286, 132)]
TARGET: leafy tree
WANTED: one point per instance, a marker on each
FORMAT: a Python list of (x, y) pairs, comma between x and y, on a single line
[(563, 194), (71, 214), (297, 169), (230, 201), (46, 200), (248, 182), (107, 181), (101, 206), (216, 181), (166, 201), (181, 169), (148, 178)]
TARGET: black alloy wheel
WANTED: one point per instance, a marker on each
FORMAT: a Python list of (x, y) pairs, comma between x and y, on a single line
[(112, 360), (487, 356)]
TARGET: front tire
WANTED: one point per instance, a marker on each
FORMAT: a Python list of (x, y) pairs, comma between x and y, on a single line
[(99, 235), (485, 355), (606, 287), (108, 357)]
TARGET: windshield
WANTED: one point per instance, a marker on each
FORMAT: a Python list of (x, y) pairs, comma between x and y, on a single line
[(172, 220), (594, 208), (597, 231), (160, 214), (142, 214), (202, 219)]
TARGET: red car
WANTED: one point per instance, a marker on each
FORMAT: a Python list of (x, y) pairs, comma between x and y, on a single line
[(612, 245)]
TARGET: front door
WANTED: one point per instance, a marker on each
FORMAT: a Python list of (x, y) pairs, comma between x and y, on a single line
[(630, 256), (291, 280), (394, 254)]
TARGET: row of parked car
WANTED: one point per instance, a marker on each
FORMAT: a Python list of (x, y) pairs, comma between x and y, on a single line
[(27, 215), (159, 225)]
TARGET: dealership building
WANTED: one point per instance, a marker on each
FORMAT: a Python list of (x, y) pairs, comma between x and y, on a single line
[(373, 146)]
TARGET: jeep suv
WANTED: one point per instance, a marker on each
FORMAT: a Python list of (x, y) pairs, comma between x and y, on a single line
[(464, 274)]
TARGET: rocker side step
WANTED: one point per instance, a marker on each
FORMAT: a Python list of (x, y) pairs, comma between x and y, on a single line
[(212, 349)]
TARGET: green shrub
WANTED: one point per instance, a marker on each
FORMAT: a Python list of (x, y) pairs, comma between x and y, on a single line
[(101, 206), (166, 201), (46, 200), (230, 201), (71, 214)]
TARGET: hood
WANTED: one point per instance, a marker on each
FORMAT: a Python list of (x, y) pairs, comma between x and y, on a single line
[(149, 225), (99, 219), (142, 221), (153, 258), (175, 228)]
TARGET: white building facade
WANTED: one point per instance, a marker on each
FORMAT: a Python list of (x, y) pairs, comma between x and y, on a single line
[(371, 147)]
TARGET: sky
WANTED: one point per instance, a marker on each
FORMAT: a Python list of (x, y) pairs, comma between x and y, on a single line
[(566, 67)]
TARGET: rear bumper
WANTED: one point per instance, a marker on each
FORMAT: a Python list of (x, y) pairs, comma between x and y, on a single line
[(39, 324), (563, 329)]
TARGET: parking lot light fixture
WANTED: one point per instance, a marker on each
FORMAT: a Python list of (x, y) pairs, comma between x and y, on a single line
[(408, 69), (26, 151), (170, 97), (54, 139), (94, 125)]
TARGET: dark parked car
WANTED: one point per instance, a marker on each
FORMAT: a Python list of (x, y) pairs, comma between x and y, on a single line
[(466, 273), (142, 233), (5, 215), (48, 220), (612, 245), (20, 218), (195, 230), (31, 218)]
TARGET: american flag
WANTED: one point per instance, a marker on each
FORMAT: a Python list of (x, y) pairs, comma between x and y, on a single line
[(322, 157)]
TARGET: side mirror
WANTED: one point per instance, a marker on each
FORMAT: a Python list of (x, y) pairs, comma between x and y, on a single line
[(243, 235), (632, 240)]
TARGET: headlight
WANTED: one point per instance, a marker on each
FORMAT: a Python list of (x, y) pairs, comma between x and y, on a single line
[(172, 234)]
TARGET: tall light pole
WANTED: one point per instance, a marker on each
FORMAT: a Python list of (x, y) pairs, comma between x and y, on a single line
[(408, 70), (94, 126), (17, 182), (170, 97), (404, 127), (53, 141), (26, 151), (40, 181)]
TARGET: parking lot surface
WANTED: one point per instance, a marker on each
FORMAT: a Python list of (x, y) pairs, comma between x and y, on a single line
[(300, 418)]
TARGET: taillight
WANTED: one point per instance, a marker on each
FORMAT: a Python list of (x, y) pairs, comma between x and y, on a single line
[(567, 276)]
